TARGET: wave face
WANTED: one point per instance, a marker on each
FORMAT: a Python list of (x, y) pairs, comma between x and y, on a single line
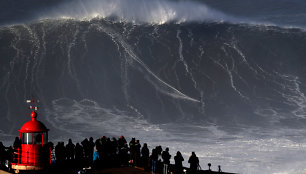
[(210, 72), (103, 76)]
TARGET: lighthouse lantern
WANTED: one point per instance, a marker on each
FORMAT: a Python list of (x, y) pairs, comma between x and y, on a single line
[(34, 153)]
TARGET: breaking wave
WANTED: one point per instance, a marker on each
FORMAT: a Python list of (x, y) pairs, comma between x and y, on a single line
[(159, 80), (154, 12)]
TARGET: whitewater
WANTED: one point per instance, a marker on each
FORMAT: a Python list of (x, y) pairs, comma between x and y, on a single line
[(189, 75)]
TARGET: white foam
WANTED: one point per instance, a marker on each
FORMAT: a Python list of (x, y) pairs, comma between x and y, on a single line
[(143, 11)]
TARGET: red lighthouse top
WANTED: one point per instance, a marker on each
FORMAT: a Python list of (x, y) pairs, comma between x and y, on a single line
[(33, 125)]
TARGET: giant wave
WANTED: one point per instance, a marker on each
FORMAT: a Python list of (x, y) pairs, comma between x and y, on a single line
[(216, 73), (109, 76)]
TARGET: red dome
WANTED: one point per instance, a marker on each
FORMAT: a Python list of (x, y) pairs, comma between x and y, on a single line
[(33, 126)]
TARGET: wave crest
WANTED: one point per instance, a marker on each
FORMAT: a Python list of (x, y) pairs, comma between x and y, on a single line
[(139, 11)]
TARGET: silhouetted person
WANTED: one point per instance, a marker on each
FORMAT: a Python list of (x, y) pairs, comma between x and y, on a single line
[(114, 146), (178, 163), (78, 152), (85, 144), (154, 158), (122, 141), (123, 155), (90, 149), (219, 169), (50, 145), (137, 153), (17, 143), (60, 153), (209, 165), (166, 160), (194, 162), (102, 149), (87, 152), (114, 150), (2, 155), (70, 150), (123, 150), (145, 156), (159, 151), (132, 152), (159, 164), (10, 154), (107, 150)]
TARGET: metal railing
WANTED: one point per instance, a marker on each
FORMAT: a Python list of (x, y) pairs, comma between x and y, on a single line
[(30, 158)]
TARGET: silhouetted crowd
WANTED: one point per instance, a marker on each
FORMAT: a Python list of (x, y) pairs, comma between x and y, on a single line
[(7, 153), (105, 152)]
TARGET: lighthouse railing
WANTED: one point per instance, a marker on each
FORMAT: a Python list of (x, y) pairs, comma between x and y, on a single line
[(30, 158)]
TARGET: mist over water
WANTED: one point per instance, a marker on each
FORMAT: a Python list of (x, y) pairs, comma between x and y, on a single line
[(173, 73), (153, 12), (284, 13), (137, 11)]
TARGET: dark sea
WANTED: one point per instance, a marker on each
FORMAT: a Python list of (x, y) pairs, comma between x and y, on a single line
[(225, 79)]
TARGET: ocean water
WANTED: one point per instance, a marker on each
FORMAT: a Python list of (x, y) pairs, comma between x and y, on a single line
[(222, 78)]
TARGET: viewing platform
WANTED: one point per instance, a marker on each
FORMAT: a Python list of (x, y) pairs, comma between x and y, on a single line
[(116, 170)]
